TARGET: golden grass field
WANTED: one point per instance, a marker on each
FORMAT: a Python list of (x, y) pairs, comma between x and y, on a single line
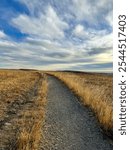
[(22, 109), (23, 98), (96, 91)]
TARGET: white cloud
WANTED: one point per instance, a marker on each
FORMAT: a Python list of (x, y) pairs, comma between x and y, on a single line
[(91, 10), (80, 32), (2, 34), (81, 9), (101, 41), (47, 25), (35, 6), (109, 18)]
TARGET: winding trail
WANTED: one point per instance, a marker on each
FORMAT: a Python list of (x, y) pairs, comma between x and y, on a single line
[(68, 124)]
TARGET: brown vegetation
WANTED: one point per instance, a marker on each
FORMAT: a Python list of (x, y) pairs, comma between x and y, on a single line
[(23, 99), (95, 91), (22, 102)]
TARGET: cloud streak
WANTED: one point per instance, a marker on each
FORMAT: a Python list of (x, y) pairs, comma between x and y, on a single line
[(47, 25)]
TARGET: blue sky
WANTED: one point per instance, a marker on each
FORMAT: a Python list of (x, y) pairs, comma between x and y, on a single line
[(56, 35)]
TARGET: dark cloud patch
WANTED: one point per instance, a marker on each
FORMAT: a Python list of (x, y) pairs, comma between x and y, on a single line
[(57, 55), (95, 50), (93, 66)]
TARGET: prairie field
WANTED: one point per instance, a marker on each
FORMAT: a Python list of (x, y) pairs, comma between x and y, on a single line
[(27, 102), (22, 109), (95, 90)]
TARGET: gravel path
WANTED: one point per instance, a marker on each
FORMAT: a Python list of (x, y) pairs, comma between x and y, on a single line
[(68, 124)]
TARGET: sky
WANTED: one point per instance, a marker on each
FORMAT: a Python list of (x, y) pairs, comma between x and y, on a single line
[(56, 34)]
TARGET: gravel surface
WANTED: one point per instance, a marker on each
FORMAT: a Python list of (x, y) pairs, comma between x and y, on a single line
[(68, 124)]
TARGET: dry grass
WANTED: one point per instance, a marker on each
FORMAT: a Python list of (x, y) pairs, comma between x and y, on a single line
[(31, 128), (14, 85), (95, 91), (22, 102)]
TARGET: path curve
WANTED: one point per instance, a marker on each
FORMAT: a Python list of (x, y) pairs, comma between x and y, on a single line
[(68, 124)]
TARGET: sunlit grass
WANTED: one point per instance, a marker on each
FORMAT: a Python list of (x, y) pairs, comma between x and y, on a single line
[(95, 91)]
